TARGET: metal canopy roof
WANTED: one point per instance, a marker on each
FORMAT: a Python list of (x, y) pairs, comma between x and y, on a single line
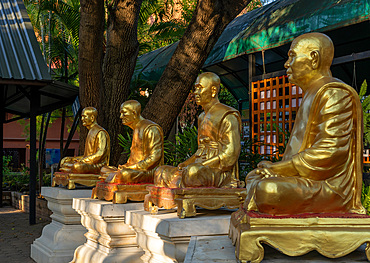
[(26, 87), (269, 31), (22, 66)]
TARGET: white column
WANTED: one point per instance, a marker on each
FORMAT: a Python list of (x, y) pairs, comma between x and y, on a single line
[(109, 238), (65, 233)]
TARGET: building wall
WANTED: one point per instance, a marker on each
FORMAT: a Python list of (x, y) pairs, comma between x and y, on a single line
[(15, 139)]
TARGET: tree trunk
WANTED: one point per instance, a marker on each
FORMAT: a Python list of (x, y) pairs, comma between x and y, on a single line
[(209, 21), (119, 64), (90, 57)]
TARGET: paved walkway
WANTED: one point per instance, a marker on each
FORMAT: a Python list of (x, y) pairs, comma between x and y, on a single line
[(17, 235)]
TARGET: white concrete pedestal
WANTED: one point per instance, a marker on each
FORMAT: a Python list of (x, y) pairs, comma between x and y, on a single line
[(165, 238), (65, 233), (109, 238)]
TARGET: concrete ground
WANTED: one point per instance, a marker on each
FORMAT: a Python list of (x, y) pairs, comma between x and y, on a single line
[(17, 235)]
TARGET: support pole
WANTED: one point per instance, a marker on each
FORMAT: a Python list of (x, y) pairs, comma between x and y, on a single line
[(63, 152), (40, 155), (42, 149), (62, 130), (34, 105), (251, 74), (2, 117)]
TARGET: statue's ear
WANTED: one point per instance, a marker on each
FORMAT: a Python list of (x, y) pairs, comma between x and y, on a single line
[(214, 91), (315, 59)]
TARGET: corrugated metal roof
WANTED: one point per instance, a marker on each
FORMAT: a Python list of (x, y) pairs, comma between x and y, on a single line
[(23, 70), (20, 54)]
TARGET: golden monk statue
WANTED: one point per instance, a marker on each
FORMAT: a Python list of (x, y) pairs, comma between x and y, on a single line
[(321, 170), (146, 149), (215, 164), (97, 147)]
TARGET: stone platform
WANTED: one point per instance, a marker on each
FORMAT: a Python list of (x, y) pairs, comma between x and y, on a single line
[(165, 238), (65, 233), (109, 238), (218, 249)]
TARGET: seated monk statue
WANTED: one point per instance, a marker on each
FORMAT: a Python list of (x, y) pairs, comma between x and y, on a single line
[(321, 170), (215, 163), (97, 147), (146, 149)]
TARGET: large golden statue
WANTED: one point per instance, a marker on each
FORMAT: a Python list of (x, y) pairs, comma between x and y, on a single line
[(209, 178), (313, 196), (146, 148), (96, 155), (146, 155), (215, 163), (321, 170)]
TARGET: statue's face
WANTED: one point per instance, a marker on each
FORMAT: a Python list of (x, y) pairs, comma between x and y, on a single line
[(203, 91), (299, 63), (87, 118), (127, 116)]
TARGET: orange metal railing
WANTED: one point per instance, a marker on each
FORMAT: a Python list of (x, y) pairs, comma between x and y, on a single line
[(274, 105)]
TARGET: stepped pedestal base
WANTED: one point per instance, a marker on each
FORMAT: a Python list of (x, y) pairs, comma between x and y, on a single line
[(119, 193), (70, 179), (109, 238), (165, 238), (332, 235), (65, 233), (186, 199)]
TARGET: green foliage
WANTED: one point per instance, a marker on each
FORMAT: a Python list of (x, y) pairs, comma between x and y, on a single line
[(250, 157), (125, 142), (174, 153), (365, 197), (7, 164), (17, 181), (46, 179), (366, 111), (161, 24), (57, 25), (185, 146), (227, 98)]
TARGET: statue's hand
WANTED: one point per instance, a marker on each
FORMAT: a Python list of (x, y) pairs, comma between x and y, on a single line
[(265, 172), (264, 164), (121, 166), (181, 166), (133, 167)]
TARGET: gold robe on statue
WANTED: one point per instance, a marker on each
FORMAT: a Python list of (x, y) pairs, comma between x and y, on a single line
[(96, 155), (146, 155), (325, 147), (218, 137)]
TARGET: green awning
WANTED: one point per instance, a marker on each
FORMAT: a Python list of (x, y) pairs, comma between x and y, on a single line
[(282, 21), (270, 29)]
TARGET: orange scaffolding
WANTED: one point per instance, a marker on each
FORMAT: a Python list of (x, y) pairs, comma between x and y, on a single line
[(275, 102), (274, 105)]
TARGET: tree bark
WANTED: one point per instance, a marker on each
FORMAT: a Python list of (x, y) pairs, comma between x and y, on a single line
[(209, 21), (118, 66), (90, 57)]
